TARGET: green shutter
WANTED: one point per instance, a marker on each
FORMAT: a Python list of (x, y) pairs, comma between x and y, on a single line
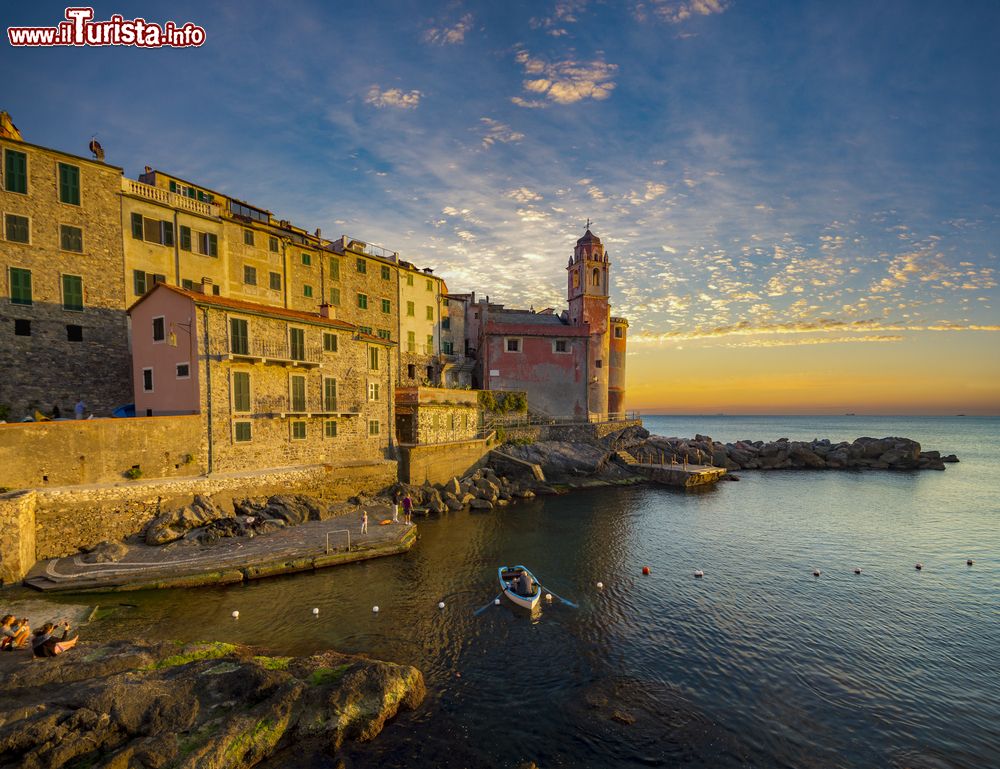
[(335, 297), (298, 393), (69, 184), (239, 343), (137, 226), (241, 391), (185, 238), (20, 286), (72, 292), (329, 394), (334, 268), (15, 171)]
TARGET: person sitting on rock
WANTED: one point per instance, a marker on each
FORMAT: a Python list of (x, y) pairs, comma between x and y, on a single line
[(45, 644), (524, 584), (13, 633)]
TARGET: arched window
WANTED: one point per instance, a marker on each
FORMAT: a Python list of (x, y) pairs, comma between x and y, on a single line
[(597, 277)]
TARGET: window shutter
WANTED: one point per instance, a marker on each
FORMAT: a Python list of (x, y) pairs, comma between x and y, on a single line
[(137, 226)]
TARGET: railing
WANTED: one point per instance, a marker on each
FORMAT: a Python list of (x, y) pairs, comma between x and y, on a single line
[(168, 198), (338, 531), (535, 417), (278, 352), (371, 249)]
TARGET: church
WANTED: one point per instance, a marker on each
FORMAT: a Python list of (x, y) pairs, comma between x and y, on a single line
[(570, 364)]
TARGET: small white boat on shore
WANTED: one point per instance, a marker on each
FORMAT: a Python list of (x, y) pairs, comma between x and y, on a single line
[(510, 577)]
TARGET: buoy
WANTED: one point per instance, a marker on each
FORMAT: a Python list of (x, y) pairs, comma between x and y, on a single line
[(496, 601), (969, 562), (440, 604), (600, 585), (857, 571), (645, 570), (316, 611), (699, 573), (816, 572), (919, 566), (375, 609), (236, 615), (548, 596)]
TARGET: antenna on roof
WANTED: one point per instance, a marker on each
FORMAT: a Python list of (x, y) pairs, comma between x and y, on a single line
[(97, 149)]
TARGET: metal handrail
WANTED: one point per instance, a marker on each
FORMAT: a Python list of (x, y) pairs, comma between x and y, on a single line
[(337, 531)]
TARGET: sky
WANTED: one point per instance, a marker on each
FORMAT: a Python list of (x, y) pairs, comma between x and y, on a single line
[(799, 199)]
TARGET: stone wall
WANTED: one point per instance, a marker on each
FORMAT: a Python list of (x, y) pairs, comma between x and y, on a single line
[(40, 454), (69, 519), (440, 462), (17, 543), (572, 433)]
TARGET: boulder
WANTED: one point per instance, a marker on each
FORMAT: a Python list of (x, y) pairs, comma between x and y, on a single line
[(805, 457), (452, 487), (105, 552), (481, 504)]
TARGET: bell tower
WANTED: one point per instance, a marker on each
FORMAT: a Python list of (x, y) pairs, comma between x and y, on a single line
[(587, 291)]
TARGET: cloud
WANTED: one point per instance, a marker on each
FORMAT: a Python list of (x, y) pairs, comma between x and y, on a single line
[(567, 81), (498, 132), (393, 97), (676, 11), (564, 12), (449, 35), (528, 103), (523, 195)]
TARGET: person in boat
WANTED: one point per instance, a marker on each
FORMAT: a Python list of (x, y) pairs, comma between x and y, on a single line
[(45, 643), (524, 584), (13, 633)]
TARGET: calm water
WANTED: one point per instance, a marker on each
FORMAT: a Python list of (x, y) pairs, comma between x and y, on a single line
[(757, 664)]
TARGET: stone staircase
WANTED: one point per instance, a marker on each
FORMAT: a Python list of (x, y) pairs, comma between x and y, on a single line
[(626, 457)]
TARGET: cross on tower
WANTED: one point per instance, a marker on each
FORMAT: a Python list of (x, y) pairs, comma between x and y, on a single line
[(588, 222)]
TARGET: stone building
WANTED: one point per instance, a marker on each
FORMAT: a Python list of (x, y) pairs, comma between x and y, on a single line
[(421, 294), (63, 328), (275, 387), (456, 363), (429, 415), (567, 363)]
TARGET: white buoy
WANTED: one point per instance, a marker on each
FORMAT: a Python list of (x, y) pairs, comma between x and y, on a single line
[(375, 609), (699, 573), (918, 566), (600, 585), (548, 596), (440, 604), (496, 601), (236, 615), (857, 571), (816, 572), (316, 611)]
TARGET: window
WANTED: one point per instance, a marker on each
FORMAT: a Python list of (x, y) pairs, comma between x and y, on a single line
[(373, 358), (599, 363), (183, 370), (297, 343), (430, 313), (597, 277), (208, 244), (20, 286), (559, 345), (249, 275), (16, 229), (448, 347), (272, 244), (298, 431), (430, 373), (619, 332), (446, 323), (307, 259), (329, 342), (334, 268), (411, 341), (274, 279), (329, 394), (513, 345), (307, 291), (430, 284), (241, 391), (215, 291), (239, 340), (74, 333), (576, 279), (430, 344), (384, 333), (242, 432), (373, 391), (411, 370), (137, 226), (365, 329), (15, 171), (156, 231), (159, 329), (385, 273), (363, 301), (330, 428), (185, 238), (362, 266), (72, 290), (69, 184), (409, 280), (147, 380), (298, 393), (411, 309), (70, 238), (188, 284), (248, 237), (335, 297), (374, 427), (248, 212), (386, 306), (22, 327), (142, 281)]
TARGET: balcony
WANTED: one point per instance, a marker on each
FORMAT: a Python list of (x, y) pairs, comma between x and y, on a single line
[(277, 353), (280, 407), (168, 198)]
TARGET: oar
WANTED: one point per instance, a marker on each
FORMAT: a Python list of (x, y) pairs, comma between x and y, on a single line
[(556, 595), (481, 609)]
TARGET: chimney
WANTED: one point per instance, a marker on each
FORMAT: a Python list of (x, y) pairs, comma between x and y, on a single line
[(205, 287), (326, 311)]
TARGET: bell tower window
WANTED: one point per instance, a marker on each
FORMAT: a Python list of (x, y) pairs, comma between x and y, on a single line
[(597, 277)]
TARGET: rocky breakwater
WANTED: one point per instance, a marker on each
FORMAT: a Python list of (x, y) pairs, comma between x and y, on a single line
[(482, 489), (208, 706), (783, 454)]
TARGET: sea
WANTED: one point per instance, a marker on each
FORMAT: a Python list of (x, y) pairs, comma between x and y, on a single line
[(756, 664)]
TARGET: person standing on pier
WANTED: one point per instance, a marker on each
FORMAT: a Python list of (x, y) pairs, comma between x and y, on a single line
[(364, 523), (407, 508)]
